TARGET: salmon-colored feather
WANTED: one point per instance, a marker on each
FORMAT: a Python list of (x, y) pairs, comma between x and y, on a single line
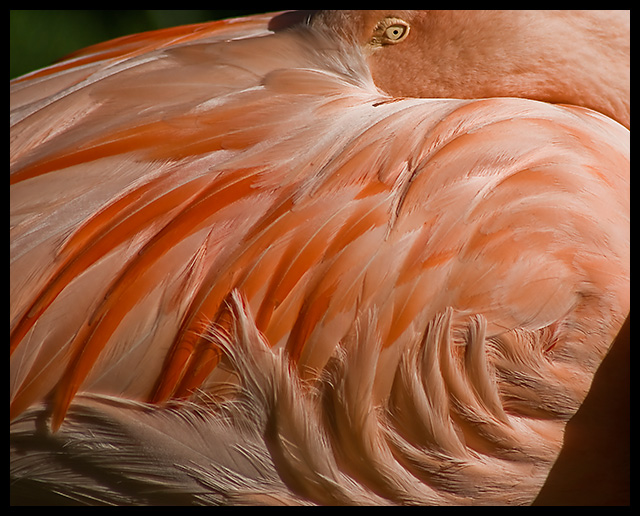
[(231, 244)]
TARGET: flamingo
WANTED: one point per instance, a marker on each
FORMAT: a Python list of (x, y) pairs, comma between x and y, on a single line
[(317, 257)]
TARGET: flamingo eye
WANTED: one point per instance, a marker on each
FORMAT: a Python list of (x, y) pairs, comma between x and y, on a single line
[(390, 31), (395, 32)]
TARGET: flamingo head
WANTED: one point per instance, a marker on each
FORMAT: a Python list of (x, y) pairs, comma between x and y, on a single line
[(481, 54)]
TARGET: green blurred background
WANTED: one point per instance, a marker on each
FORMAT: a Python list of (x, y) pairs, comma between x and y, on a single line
[(39, 38)]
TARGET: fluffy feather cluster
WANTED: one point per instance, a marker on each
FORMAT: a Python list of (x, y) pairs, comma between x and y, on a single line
[(443, 435)]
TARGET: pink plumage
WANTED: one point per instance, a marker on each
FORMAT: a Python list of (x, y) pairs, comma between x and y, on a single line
[(323, 257)]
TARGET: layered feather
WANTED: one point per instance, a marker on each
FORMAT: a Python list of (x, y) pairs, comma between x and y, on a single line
[(409, 297)]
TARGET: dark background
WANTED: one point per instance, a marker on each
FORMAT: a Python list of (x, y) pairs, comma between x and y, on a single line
[(39, 38)]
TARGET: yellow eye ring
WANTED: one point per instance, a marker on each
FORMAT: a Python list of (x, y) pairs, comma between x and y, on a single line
[(395, 32), (390, 31)]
